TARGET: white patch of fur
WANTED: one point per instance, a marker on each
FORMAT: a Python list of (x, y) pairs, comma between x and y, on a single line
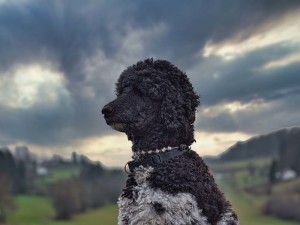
[(180, 209), (227, 217)]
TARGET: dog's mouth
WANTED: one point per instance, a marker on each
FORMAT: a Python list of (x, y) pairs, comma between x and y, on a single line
[(118, 126)]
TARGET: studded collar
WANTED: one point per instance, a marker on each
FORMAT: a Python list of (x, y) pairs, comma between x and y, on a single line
[(156, 157)]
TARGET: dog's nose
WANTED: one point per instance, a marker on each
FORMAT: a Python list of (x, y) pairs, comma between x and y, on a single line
[(107, 110)]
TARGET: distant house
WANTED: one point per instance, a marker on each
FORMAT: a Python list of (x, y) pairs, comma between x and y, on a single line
[(41, 171), (286, 174)]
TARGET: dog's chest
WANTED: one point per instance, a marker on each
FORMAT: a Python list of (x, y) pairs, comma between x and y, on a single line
[(154, 207)]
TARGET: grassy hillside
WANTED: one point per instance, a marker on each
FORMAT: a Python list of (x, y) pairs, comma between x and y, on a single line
[(239, 176), (249, 207), (239, 165)]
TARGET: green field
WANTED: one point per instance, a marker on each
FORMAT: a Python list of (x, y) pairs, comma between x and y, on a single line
[(248, 206), (32, 210), (248, 209), (38, 211), (59, 173)]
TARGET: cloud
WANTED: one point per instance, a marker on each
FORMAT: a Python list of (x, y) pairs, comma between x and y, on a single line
[(81, 48), (243, 79), (81, 51), (208, 143), (115, 149), (255, 93), (255, 117), (26, 86), (112, 149), (282, 62), (284, 29)]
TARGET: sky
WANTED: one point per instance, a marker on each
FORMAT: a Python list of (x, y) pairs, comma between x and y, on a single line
[(60, 60)]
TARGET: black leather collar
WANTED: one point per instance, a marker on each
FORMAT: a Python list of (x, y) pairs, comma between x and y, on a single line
[(155, 159)]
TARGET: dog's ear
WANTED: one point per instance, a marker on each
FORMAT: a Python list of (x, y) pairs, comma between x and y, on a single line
[(178, 112), (172, 112)]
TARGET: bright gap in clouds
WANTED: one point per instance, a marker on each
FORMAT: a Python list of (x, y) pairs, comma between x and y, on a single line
[(214, 143), (285, 61), (111, 150), (29, 85), (235, 106), (114, 150), (283, 30)]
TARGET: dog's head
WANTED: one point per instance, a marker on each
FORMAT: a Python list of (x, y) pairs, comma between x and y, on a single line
[(153, 93)]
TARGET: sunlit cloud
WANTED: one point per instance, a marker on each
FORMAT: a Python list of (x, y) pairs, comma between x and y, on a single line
[(232, 107), (111, 149), (114, 150), (285, 61), (214, 143), (28, 85), (281, 31)]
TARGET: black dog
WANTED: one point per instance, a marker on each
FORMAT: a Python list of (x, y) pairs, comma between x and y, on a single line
[(169, 184)]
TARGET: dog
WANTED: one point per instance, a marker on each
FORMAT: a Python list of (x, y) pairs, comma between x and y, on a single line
[(168, 183)]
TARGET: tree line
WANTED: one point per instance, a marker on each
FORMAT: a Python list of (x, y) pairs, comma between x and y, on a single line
[(93, 186)]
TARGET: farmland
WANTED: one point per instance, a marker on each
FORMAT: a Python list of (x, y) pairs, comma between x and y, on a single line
[(242, 182), (33, 210)]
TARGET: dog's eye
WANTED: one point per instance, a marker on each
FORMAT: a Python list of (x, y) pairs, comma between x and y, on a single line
[(138, 92), (123, 90)]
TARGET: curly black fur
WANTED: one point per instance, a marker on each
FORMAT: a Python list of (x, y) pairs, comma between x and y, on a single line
[(155, 107), (188, 173)]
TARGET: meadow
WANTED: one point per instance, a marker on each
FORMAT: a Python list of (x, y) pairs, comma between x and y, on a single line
[(249, 209), (244, 183), (38, 210), (34, 210)]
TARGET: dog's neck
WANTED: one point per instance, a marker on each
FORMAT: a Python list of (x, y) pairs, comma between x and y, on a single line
[(154, 140)]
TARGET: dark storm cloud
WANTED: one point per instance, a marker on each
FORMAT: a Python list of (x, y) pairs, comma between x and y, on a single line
[(71, 33), (64, 33), (191, 24), (244, 81), (269, 117), (43, 125), (244, 78), (68, 31)]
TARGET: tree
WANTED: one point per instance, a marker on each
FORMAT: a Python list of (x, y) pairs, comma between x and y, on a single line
[(67, 198), (272, 172), (272, 175), (6, 199), (74, 158)]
